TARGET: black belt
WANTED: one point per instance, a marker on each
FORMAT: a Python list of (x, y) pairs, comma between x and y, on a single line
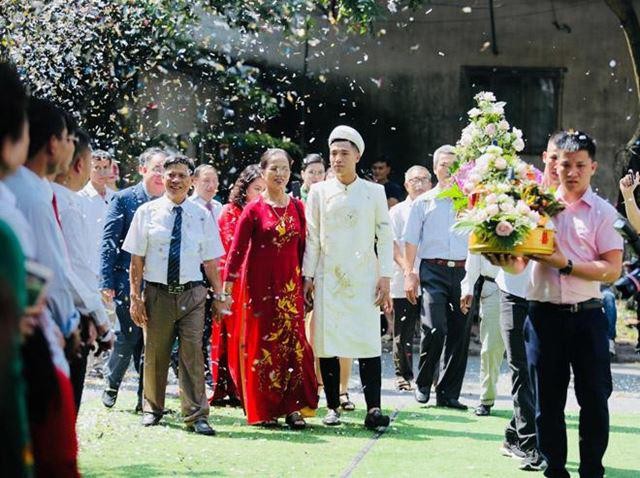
[(176, 288), (572, 308), (488, 279)]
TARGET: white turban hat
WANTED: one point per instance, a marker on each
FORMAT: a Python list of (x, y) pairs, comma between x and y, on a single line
[(349, 134)]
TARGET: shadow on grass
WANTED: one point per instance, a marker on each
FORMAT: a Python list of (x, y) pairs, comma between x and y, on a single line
[(141, 471), (610, 471), (572, 423)]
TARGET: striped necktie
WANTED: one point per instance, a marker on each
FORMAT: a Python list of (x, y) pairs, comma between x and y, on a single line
[(173, 271)]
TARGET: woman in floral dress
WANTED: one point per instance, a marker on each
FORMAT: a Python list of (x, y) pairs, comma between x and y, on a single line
[(276, 361)]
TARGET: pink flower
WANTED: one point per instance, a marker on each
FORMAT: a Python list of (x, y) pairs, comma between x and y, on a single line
[(504, 228)]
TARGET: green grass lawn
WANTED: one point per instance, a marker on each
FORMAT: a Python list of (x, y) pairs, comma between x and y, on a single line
[(429, 442)]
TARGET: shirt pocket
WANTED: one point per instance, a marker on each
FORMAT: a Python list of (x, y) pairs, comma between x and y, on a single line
[(159, 239)]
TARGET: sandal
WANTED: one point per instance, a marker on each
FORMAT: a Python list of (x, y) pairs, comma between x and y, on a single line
[(403, 385), (273, 423), (295, 421), (346, 404)]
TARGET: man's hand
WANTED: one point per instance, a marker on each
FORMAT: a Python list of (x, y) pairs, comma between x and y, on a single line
[(557, 260), (89, 334), (411, 284), (383, 294), (221, 307), (465, 303), (629, 183), (510, 263), (108, 295), (307, 291), (138, 311), (73, 345)]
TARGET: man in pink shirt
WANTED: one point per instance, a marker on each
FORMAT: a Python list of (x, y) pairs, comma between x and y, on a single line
[(566, 328)]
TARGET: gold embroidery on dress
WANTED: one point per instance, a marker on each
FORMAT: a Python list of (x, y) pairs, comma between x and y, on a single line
[(285, 344)]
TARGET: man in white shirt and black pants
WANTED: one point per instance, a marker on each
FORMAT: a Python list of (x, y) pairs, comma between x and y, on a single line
[(405, 314), (169, 239), (428, 235)]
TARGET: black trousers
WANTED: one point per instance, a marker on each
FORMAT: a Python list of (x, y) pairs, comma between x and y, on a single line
[(557, 342), (443, 326), (370, 377), (405, 316), (521, 429), (78, 370)]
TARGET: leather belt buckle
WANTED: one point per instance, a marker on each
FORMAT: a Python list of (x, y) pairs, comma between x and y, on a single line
[(451, 263), (175, 289)]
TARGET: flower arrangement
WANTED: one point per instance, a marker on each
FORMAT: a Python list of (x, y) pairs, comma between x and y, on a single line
[(499, 198)]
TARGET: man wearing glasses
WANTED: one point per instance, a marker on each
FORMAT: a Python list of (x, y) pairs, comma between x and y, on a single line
[(417, 182), (114, 270)]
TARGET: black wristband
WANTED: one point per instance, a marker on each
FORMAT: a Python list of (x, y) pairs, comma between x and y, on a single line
[(566, 270)]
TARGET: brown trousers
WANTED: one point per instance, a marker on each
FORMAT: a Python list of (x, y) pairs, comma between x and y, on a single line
[(171, 314)]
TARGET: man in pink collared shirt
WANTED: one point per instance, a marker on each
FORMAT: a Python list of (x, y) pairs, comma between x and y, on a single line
[(566, 328)]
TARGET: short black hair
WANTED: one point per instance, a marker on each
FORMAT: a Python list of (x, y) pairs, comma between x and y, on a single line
[(83, 142), (270, 153), (13, 103), (337, 140), (202, 168), (382, 159), (312, 158), (102, 155), (180, 159), (45, 120), (573, 141), (149, 153)]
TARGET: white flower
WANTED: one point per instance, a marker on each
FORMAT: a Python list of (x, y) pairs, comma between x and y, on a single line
[(498, 108), (490, 129), (534, 216), (491, 198), (500, 163), (522, 208), (485, 96), (503, 125), (517, 132), (466, 139), (493, 150), (506, 207), (521, 169), (492, 210), (480, 215), (474, 113), (518, 144)]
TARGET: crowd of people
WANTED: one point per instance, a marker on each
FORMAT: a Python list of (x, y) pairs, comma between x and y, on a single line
[(265, 301)]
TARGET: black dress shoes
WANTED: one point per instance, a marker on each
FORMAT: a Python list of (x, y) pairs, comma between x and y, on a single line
[(483, 410), (150, 419), (109, 397), (421, 394), (201, 427), (376, 419), (451, 403)]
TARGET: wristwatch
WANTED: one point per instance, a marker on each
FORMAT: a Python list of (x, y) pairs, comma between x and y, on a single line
[(566, 270), (221, 297)]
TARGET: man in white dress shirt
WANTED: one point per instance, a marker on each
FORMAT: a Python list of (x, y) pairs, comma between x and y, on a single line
[(169, 239), (98, 196), (417, 181), (72, 210), (347, 224), (428, 235), (205, 188)]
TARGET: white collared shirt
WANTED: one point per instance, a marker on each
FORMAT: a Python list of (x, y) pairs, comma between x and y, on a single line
[(430, 227), (16, 220), (95, 214), (72, 209), (150, 237), (476, 266), (34, 196), (399, 215), (216, 206)]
